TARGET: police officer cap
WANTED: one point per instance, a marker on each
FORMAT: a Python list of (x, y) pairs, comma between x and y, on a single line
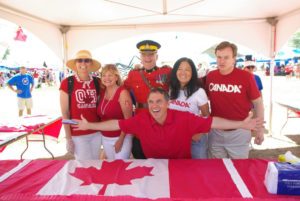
[(148, 45)]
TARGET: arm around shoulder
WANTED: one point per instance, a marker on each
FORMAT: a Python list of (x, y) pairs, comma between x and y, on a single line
[(125, 103), (248, 123)]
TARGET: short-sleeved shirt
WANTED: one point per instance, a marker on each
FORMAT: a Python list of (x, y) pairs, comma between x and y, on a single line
[(258, 82), (157, 78), (23, 82), (110, 109), (191, 104), (171, 140), (231, 95), (83, 101)]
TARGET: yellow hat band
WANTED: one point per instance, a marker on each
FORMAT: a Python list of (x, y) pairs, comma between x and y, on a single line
[(148, 47)]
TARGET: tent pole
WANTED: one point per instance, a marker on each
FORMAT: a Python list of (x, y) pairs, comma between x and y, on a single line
[(273, 22), (64, 29)]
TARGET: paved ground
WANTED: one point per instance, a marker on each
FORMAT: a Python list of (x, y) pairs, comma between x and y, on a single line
[(46, 101)]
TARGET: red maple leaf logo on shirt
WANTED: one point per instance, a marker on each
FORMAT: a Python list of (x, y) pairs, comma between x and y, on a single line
[(88, 99), (114, 172)]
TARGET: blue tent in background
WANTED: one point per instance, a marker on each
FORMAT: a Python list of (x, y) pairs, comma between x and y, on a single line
[(297, 51), (5, 68), (240, 60), (288, 52)]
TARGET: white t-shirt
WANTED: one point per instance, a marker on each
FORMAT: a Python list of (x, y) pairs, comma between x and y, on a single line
[(191, 104)]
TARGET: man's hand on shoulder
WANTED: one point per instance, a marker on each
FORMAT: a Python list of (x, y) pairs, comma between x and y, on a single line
[(166, 66)]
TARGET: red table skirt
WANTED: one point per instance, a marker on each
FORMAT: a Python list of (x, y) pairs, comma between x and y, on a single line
[(151, 179)]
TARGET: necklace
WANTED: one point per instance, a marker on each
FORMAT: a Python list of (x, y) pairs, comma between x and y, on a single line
[(84, 82), (102, 106)]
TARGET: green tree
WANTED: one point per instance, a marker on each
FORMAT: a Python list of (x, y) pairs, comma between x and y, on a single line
[(295, 40), (6, 53)]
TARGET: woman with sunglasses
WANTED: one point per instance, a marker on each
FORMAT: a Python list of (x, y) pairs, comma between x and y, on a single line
[(78, 95), (115, 103), (187, 94)]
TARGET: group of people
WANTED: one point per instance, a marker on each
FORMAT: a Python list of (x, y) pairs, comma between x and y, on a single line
[(176, 114)]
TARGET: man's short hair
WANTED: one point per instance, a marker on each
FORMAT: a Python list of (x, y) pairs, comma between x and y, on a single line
[(161, 91), (226, 44)]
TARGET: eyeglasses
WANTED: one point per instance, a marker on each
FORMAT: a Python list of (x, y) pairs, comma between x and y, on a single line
[(250, 67), (84, 60)]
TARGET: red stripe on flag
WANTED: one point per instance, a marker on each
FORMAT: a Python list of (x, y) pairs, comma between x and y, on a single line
[(2, 148), (208, 178), (36, 174), (7, 165), (253, 174), (27, 197)]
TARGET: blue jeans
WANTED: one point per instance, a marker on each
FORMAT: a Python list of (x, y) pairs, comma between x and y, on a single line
[(199, 149)]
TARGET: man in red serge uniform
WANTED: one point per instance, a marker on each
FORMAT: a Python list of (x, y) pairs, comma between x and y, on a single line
[(141, 81)]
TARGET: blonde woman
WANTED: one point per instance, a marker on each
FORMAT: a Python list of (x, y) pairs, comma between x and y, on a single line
[(115, 103)]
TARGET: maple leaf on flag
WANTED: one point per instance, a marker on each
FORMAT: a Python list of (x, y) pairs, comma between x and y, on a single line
[(114, 172)]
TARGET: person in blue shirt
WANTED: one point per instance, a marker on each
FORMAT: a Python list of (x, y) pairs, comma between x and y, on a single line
[(250, 67), (24, 84)]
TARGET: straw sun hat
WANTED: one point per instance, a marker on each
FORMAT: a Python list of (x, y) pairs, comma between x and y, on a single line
[(84, 54)]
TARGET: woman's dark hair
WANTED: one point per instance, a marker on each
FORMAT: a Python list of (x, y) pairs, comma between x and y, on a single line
[(192, 86)]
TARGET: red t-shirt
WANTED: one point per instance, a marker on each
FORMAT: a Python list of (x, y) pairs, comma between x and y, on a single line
[(83, 101), (35, 75), (110, 109), (231, 95), (171, 140)]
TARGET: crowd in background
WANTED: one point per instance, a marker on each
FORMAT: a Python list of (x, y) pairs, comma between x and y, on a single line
[(41, 77), (50, 77)]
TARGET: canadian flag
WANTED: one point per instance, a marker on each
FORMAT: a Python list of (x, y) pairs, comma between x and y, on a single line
[(20, 36), (134, 180)]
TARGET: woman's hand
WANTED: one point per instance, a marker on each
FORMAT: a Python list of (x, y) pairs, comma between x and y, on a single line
[(119, 144), (197, 137)]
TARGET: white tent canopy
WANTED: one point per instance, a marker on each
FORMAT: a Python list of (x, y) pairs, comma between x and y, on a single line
[(89, 24)]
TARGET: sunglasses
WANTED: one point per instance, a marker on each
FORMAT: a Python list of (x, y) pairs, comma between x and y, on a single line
[(250, 67), (83, 60)]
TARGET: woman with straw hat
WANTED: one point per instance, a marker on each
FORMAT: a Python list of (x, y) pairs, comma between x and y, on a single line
[(81, 100)]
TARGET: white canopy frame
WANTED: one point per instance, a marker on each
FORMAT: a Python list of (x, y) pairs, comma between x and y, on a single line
[(266, 36)]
